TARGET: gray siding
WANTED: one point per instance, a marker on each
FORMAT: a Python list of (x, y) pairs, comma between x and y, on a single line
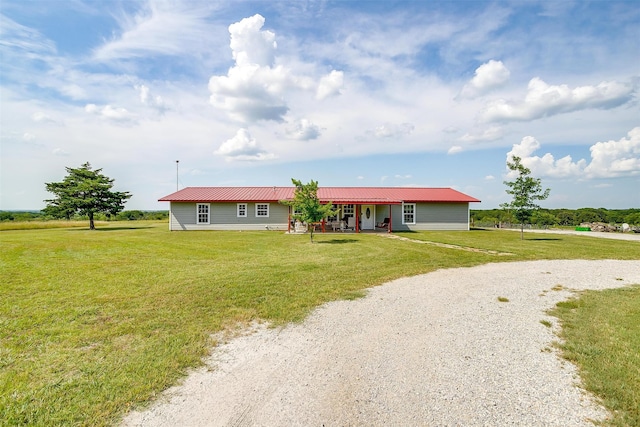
[(429, 216), (433, 216), (223, 216)]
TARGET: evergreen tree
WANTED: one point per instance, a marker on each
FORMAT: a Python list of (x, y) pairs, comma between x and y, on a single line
[(86, 192)]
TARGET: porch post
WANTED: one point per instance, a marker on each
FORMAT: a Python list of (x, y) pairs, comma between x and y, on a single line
[(389, 225), (357, 214)]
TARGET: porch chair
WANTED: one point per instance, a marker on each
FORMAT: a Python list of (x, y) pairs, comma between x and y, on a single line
[(383, 224), (351, 222)]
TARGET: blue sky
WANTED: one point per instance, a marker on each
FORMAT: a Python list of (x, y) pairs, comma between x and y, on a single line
[(366, 93)]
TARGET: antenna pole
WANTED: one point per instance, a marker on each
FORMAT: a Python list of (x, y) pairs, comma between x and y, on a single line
[(177, 162)]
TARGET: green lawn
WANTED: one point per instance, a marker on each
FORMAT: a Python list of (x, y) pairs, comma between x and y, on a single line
[(601, 335), (95, 322)]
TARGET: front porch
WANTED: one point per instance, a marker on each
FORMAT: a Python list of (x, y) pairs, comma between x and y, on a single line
[(351, 217)]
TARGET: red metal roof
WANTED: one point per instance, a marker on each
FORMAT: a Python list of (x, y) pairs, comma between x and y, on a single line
[(340, 195)]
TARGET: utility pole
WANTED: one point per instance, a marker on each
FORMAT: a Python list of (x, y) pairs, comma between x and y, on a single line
[(177, 162)]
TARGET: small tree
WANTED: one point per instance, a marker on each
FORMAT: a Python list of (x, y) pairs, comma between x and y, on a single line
[(525, 191), (86, 192), (306, 205)]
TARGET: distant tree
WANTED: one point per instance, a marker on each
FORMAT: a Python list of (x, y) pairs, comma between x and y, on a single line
[(86, 192), (566, 217), (306, 206), (591, 215), (633, 219), (544, 219), (130, 215), (525, 190)]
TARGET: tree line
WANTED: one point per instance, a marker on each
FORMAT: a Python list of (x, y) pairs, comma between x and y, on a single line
[(131, 215), (558, 217)]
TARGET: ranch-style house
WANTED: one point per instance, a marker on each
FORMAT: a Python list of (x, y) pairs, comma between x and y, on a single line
[(359, 209)]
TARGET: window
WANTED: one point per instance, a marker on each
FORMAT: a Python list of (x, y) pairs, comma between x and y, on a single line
[(348, 210), (203, 213), (262, 210), (408, 213), (242, 210)]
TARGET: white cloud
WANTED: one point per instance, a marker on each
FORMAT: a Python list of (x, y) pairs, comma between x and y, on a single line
[(154, 101), (242, 147), (119, 115), (489, 178), (303, 130), (28, 137), (330, 84), (161, 28), (252, 90), (543, 100), (490, 134), (488, 76), (403, 176), (608, 159), (22, 39), (257, 87), (41, 117), (616, 158), (391, 130), (59, 152), (455, 149), (546, 165), (250, 45)]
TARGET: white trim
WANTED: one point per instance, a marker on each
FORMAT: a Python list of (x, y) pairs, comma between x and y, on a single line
[(262, 204), (208, 213), (413, 213), (246, 208)]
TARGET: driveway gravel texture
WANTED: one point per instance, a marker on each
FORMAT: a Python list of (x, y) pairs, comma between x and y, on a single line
[(438, 349)]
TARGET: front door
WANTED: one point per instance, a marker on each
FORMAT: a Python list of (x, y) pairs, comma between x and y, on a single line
[(368, 217)]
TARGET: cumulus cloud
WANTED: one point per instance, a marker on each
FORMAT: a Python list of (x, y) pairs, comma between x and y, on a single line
[(490, 134), (489, 178), (403, 176), (488, 76), (608, 159), (543, 100), (154, 101), (303, 130), (255, 88), (242, 147), (616, 158), (119, 115), (546, 165), (28, 137), (454, 149), (59, 152), (391, 130), (330, 85), (250, 45), (252, 89), (40, 117)]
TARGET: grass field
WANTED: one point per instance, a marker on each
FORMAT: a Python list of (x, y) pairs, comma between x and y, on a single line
[(601, 335), (95, 322)]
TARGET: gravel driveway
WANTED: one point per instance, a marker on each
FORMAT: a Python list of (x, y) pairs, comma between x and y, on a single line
[(437, 349)]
